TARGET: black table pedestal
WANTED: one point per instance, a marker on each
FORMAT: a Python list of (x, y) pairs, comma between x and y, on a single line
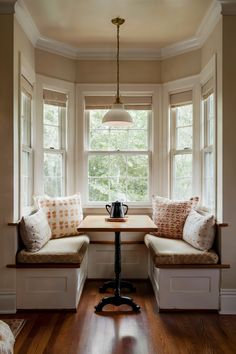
[(117, 284)]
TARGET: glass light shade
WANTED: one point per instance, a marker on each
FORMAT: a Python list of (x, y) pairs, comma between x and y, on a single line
[(117, 116)]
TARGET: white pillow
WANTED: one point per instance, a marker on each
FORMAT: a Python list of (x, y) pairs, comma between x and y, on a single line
[(199, 230), (64, 214), (35, 231), (7, 339)]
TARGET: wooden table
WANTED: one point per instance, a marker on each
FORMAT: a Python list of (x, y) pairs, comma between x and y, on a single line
[(133, 223)]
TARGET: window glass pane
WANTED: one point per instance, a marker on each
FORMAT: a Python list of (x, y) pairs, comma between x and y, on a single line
[(184, 138), (184, 115), (209, 187), (140, 119), (53, 174), (25, 119), (25, 179), (118, 139), (138, 140), (51, 137), (184, 127), (210, 120), (99, 139), (51, 115), (122, 177), (182, 183)]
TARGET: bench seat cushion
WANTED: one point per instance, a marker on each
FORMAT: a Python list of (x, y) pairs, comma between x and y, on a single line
[(62, 250), (173, 251)]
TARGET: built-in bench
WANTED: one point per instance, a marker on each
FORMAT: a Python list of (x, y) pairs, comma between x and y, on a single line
[(54, 276), (182, 276)]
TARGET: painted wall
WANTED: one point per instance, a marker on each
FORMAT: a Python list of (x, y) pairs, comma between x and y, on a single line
[(7, 282), (229, 149), (55, 66)]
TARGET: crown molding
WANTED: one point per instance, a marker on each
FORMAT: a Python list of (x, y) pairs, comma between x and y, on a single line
[(26, 21), (207, 25), (228, 7), (7, 7)]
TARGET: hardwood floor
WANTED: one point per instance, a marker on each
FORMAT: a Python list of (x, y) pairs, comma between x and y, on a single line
[(116, 331)]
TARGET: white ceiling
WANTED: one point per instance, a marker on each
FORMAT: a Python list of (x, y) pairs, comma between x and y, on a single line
[(151, 24)]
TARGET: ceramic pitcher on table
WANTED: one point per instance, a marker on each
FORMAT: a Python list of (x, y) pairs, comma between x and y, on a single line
[(117, 209)]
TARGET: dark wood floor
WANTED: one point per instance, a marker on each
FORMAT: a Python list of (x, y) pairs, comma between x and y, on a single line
[(117, 331)]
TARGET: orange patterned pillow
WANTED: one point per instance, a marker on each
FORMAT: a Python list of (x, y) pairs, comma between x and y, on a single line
[(64, 214), (170, 215)]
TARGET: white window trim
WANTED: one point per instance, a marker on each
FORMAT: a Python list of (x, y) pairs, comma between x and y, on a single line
[(181, 85), (83, 90), (209, 72), (68, 88), (26, 71)]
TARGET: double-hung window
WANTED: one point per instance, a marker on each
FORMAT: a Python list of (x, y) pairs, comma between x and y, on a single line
[(181, 144), (118, 158), (208, 142), (54, 142), (26, 144)]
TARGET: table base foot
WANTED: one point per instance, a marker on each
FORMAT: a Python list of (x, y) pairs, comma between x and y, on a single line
[(112, 285), (117, 301)]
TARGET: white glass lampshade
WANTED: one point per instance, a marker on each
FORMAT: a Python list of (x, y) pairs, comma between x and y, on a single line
[(117, 116)]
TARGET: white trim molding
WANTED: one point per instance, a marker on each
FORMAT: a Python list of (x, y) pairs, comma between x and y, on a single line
[(208, 23), (227, 302), (7, 302)]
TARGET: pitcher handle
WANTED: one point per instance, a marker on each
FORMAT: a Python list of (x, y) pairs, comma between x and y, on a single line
[(127, 208), (108, 208)]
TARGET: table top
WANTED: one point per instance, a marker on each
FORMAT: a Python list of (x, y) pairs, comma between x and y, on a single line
[(133, 223)]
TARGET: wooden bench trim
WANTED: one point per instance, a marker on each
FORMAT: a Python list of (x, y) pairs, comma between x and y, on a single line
[(43, 265), (141, 242), (193, 266)]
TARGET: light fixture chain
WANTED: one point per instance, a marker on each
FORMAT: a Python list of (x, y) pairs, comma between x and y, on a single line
[(118, 65)]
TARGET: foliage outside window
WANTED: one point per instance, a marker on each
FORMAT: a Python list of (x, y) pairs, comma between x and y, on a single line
[(54, 117), (208, 163), (26, 145), (181, 151), (118, 159)]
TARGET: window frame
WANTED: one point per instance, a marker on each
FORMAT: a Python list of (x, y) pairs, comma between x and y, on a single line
[(173, 145), (26, 89), (88, 153), (62, 149)]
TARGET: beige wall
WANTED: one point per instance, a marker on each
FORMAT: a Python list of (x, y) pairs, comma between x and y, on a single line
[(131, 71), (181, 66), (229, 149), (6, 151), (55, 66)]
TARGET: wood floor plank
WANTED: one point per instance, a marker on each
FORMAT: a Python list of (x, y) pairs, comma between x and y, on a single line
[(119, 331)]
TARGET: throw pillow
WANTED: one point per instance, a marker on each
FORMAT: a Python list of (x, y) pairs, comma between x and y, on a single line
[(64, 214), (170, 215), (199, 230), (35, 231)]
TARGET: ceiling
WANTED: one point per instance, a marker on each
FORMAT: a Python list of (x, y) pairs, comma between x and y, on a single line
[(151, 24)]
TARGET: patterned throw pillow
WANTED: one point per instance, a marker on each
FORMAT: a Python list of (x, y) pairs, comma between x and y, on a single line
[(35, 231), (64, 214), (199, 230), (170, 215)]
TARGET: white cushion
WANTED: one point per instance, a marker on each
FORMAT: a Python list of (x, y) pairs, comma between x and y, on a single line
[(35, 231), (7, 339), (199, 230), (64, 214)]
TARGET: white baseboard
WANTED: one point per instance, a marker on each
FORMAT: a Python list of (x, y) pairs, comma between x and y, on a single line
[(7, 302), (227, 302)]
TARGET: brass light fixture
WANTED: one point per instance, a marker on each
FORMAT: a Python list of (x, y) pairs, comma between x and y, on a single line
[(117, 115)]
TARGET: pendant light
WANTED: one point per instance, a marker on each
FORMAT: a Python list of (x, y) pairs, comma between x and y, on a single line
[(117, 115)]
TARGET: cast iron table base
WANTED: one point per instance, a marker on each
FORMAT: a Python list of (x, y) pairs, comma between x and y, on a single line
[(117, 284)]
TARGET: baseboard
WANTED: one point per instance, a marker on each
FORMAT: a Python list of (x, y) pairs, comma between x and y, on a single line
[(227, 302), (7, 302)]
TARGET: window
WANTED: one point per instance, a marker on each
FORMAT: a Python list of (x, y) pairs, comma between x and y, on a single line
[(181, 153), (26, 144), (118, 163), (54, 122), (208, 142)]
